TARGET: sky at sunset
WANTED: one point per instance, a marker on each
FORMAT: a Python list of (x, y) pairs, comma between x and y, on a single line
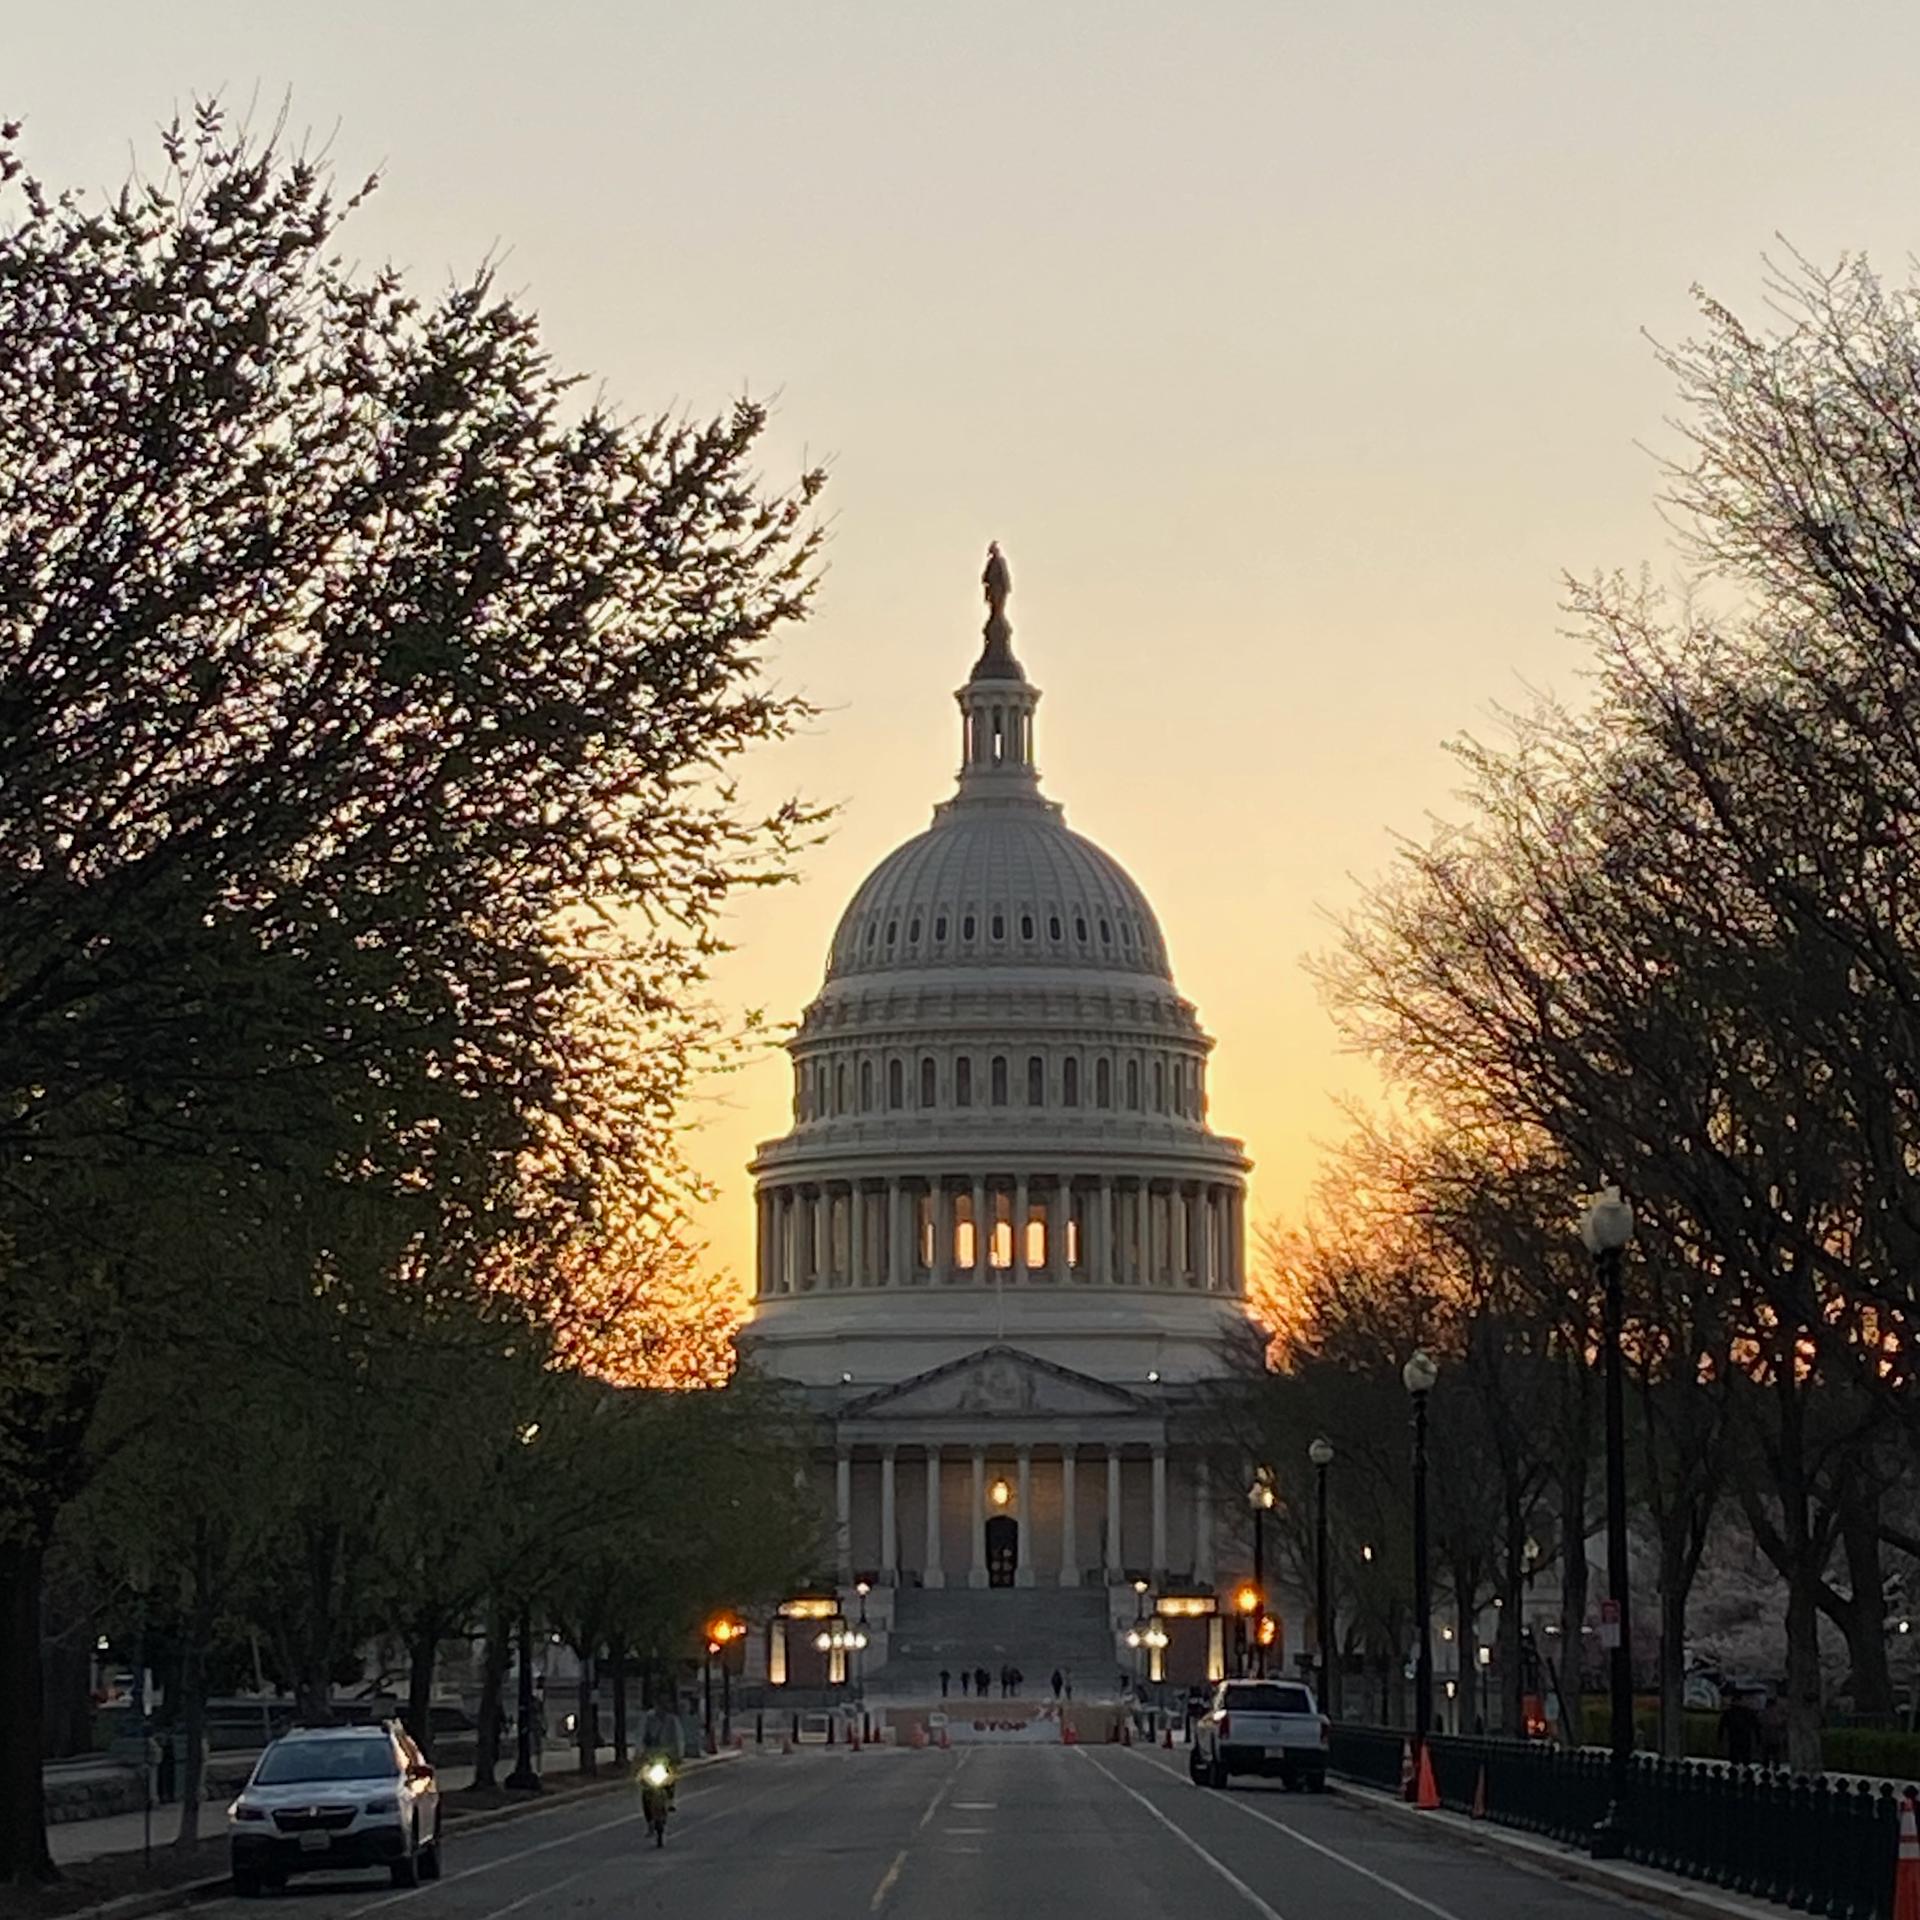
[(1291, 353)]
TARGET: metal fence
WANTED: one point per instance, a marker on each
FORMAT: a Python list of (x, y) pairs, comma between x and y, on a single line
[(1822, 1846)]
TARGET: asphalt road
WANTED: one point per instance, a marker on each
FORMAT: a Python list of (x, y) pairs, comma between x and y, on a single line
[(977, 1833)]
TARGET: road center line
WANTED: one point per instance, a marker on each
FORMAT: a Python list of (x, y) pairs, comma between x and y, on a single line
[(1186, 1839), (932, 1807), (1331, 1853), (886, 1881)]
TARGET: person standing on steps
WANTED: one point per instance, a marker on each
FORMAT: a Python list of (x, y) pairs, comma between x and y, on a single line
[(1059, 1683), (946, 1680), (982, 1685), (966, 1680)]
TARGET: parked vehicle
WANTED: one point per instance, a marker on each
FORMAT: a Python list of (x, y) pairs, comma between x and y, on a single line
[(1269, 1727), (321, 1798)]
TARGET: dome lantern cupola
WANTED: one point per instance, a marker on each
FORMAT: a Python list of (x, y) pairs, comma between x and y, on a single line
[(997, 705)]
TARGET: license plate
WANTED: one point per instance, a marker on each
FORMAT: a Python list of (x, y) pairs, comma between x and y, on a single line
[(315, 1842), (1276, 1753)]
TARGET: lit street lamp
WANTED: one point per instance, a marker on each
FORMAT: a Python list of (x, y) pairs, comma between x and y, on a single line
[(1605, 1229), (1260, 1497), (1321, 1455), (1418, 1376)]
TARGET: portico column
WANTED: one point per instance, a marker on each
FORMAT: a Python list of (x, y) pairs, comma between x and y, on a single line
[(1024, 1571), (897, 1237), (977, 1571), (1069, 1519), (821, 1211), (1158, 1570), (1116, 1560), (1059, 1217), (981, 1231), (856, 1234), (930, 1574), (1202, 1523), (1209, 1238), (940, 1212), (1143, 1233), (1109, 1245), (1021, 1206), (1236, 1238), (889, 1516), (843, 1508), (1177, 1230)]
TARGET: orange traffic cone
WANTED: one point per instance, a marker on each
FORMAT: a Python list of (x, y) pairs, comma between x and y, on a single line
[(1479, 1808), (918, 1738), (1906, 1872), (946, 1740), (1406, 1770), (1426, 1795), (1069, 1734)]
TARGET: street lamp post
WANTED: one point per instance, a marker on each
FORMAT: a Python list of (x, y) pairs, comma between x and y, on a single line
[(523, 1778), (1321, 1455), (1260, 1497), (1418, 1376), (1605, 1229)]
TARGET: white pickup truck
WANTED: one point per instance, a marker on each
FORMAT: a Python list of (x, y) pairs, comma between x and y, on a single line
[(1261, 1726)]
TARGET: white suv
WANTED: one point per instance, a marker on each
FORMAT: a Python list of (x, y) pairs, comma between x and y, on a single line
[(326, 1797)]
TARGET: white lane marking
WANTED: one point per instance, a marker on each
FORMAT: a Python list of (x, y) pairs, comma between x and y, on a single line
[(975, 1806), (1331, 1853), (1186, 1839), (900, 1859), (886, 1881), (527, 1853)]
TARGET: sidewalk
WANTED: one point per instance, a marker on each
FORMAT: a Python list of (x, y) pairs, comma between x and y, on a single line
[(73, 1841)]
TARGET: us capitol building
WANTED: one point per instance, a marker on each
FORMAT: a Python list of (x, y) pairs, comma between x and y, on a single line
[(1000, 1249)]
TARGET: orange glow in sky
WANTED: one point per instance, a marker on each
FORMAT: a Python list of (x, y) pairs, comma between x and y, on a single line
[(1290, 353)]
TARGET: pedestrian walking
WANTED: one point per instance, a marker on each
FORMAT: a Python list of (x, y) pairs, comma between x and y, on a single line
[(966, 1680), (982, 1683), (1006, 1681), (1059, 1683), (1018, 1676), (946, 1680)]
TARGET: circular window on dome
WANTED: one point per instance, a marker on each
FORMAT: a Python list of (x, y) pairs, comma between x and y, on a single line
[(1053, 928), (1026, 926), (966, 928), (1080, 928), (940, 926), (999, 926)]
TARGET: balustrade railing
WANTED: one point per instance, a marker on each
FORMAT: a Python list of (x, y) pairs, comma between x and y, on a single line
[(1821, 1846)]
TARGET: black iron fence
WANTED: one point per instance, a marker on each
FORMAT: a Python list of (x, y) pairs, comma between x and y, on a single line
[(1822, 1846)]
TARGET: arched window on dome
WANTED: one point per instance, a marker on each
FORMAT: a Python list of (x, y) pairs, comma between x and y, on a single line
[(1133, 1086), (866, 1086), (913, 932), (999, 926), (997, 1076), (896, 1085), (1070, 1081), (967, 927), (1036, 1080), (1106, 933), (820, 1108), (1080, 928), (927, 1081), (799, 1093), (939, 928), (963, 1081), (893, 931), (1026, 926), (1103, 1082), (840, 1087), (1053, 928), (1159, 1086)]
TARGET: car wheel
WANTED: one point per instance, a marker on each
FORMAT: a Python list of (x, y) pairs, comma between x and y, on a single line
[(1196, 1768), (1220, 1776), (406, 1870), (1316, 1783), (246, 1883), (430, 1860), (274, 1881)]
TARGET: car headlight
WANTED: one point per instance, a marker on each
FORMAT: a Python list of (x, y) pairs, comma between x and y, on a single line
[(244, 1810), (385, 1803)]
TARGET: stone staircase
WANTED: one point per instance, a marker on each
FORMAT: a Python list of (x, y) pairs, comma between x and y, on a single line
[(1033, 1628)]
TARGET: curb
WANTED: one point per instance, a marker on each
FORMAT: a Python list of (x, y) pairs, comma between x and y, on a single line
[(1637, 1885), (132, 1906)]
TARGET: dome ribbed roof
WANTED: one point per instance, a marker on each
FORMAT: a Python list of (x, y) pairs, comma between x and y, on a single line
[(999, 885)]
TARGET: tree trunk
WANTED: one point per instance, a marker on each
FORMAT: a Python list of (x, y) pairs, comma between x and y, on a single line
[(192, 1726), (586, 1736), (1466, 1584), (423, 1649), (1673, 1653), (617, 1674), (1512, 1621), (493, 1681), (1575, 1580), (23, 1828), (1803, 1671), (1863, 1621)]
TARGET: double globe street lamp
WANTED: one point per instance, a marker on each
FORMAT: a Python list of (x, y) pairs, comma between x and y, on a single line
[(1418, 1376), (1605, 1230), (1260, 1498), (1321, 1456)]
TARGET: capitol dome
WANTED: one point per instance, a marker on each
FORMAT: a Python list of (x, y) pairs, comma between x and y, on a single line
[(999, 1104)]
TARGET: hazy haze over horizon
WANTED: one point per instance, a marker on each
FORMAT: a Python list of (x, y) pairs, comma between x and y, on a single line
[(1290, 356)]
